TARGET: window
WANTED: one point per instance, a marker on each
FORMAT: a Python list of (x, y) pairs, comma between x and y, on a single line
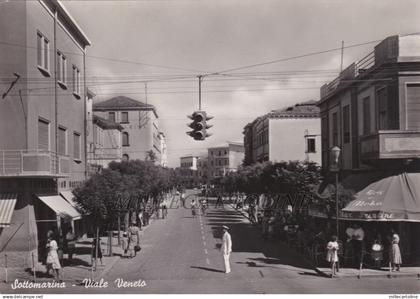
[(310, 145), (111, 116), (125, 139), (346, 124), (124, 118), (43, 135), (61, 69), (43, 54), (366, 115), (335, 129), (62, 141), (382, 104), (76, 146), (76, 81)]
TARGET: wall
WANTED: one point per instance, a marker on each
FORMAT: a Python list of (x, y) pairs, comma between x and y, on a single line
[(287, 138)]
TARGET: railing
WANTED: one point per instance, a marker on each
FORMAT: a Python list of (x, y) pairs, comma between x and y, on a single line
[(365, 63), (33, 163), (105, 154)]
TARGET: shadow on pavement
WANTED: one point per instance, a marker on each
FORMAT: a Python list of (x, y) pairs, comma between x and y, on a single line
[(208, 269), (246, 237)]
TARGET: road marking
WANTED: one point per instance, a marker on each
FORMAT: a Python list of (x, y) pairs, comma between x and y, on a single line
[(207, 261), (205, 251), (203, 237), (204, 242)]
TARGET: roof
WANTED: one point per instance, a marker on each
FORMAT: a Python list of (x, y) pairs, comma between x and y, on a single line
[(301, 110), (227, 144), (106, 123), (65, 17), (123, 103)]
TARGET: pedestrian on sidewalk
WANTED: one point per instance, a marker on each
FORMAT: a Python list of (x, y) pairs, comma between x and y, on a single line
[(124, 244), (71, 243), (377, 253), (332, 254), (96, 252), (395, 256), (53, 262), (193, 208), (226, 247), (133, 239)]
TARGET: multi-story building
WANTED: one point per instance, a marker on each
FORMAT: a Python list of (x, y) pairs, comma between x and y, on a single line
[(225, 158), (141, 134), (106, 145), (188, 171), (203, 169), (292, 133), (42, 130), (163, 150), (371, 111)]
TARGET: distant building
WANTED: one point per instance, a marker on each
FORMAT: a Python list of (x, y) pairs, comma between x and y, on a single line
[(107, 143), (188, 171), (225, 158), (163, 150), (203, 169), (292, 133), (42, 126), (141, 135)]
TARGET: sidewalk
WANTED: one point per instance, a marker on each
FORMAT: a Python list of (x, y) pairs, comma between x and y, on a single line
[(384, 272), (356, 273), (80, 267)]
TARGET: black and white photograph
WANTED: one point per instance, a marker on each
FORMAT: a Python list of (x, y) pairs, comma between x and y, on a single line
[(209, 147)]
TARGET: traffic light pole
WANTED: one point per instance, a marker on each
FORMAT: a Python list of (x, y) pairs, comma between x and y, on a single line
[(200, 77)]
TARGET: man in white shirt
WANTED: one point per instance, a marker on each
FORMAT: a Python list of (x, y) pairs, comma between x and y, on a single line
[(226, 247)]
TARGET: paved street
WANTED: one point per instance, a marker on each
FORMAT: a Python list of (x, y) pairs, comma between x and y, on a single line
[(180, 255)]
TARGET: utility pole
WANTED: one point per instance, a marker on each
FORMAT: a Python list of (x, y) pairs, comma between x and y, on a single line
[(342, 54), (200, 78)]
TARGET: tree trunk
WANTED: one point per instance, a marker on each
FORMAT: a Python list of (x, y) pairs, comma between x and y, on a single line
[(119, 229)]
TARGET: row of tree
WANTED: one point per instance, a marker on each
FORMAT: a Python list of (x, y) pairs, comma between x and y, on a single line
[(122, 188)]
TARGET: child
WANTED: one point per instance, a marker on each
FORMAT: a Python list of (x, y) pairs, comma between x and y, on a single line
[(377, 253), (332, 254)]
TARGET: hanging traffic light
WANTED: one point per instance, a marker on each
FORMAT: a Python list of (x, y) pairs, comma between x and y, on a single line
[(199, 125)]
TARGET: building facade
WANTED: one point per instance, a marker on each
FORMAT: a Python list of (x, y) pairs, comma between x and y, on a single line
[(203, 169), (224, 159), (371, 111), (163, 150), (292, 133), (42, 145), (188, 171), (141, 134)]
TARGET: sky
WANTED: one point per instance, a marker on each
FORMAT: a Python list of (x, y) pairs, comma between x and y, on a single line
[(249, 51)]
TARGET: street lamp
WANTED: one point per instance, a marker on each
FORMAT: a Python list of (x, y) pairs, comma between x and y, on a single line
[(335, 155)]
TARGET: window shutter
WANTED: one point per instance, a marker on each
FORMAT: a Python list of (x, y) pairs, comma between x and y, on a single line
[(43, 138), (61, 141), (76, 146)]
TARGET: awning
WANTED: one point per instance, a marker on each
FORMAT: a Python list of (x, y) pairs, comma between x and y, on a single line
[(69, 196), (7, 206), (394, 198), (60, 206)]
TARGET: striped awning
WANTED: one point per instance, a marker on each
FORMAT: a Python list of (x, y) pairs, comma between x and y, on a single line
[(60, 206), (7, 206)]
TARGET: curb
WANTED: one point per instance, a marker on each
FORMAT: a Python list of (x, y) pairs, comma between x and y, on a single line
[(385, 274)]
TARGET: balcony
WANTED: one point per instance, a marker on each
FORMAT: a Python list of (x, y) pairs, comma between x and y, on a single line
[(390, 144), (33, 163)]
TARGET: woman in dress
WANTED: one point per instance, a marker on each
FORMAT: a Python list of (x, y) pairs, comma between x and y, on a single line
[(395, 257), (332, 254), (133, 234), (52, 257)]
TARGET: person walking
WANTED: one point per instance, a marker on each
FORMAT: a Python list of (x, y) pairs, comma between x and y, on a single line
[(71, 243), (193, 208), (226, 247), (133, 233), (53, 262), (219, 201), (96, 252), (332, 254), (395, 252)]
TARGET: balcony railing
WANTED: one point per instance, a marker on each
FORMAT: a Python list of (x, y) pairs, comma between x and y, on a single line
[(390, 144), (33, 163)]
